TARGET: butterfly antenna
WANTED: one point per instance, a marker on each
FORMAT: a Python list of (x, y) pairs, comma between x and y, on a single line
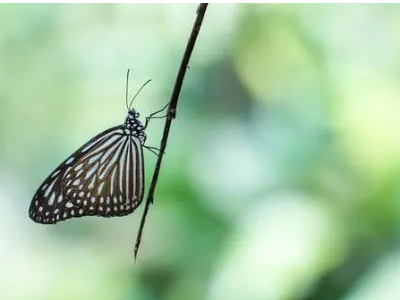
[(126, 89), (138, 92)]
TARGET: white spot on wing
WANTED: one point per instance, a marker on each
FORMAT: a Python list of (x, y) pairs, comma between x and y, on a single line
[(100, 188), (128, 170), (94, 158), (91, 185), (52, 198), (70, 160), (112, 179), (90, 172), (55, 173), (122, 166), (48, 190)]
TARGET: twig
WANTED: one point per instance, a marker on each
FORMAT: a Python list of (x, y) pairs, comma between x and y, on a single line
[(201, 10)]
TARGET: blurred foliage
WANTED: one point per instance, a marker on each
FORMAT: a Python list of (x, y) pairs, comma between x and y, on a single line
[(281, 176)]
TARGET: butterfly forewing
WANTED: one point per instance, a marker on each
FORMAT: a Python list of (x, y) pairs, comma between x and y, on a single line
[(103, 178), (48, 204)]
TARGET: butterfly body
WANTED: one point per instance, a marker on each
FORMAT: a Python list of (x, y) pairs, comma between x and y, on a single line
[(104, 177)]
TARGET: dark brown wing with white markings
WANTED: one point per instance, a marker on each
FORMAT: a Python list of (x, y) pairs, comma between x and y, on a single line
[(108, 180), (58, 197)]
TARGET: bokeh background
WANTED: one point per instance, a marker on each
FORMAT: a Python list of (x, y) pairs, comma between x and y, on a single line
[(281, 176)]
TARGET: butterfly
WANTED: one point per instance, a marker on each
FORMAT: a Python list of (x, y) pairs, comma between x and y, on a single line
[(104, 177)]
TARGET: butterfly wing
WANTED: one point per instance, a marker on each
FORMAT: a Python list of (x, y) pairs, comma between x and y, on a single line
[(99, 165), (48, 204), (107, 180)]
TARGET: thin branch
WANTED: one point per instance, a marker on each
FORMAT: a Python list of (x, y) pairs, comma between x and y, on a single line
[(201, 10)]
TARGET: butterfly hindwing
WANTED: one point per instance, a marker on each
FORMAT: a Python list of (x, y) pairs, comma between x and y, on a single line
[(107, 181)]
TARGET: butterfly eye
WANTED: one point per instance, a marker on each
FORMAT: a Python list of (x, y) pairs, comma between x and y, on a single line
[(134, 113)]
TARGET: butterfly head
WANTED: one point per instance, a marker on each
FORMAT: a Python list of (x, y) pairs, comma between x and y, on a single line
[(133, 113)]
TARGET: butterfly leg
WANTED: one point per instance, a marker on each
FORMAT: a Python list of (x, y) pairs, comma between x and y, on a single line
[(154, 150), (153, 115)]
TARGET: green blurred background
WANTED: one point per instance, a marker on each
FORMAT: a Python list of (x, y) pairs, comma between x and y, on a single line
[(281, 176)]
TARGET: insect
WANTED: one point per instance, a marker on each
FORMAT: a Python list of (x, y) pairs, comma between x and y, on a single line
[(104, 177)]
